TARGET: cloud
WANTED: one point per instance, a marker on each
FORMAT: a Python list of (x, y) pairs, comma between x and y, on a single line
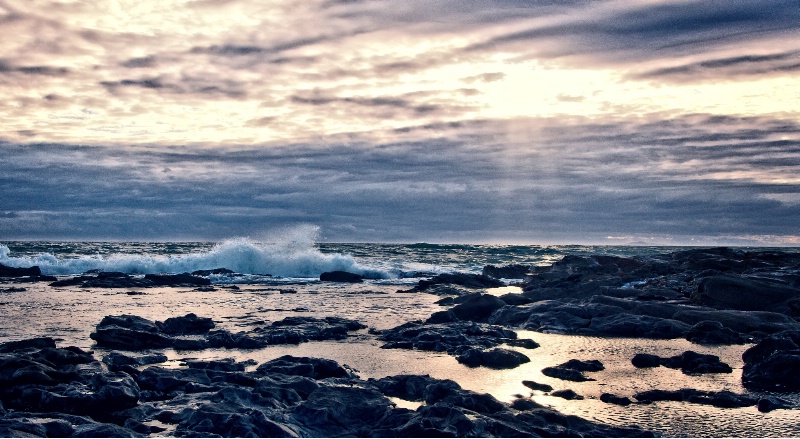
[(627, 31), (697, 175), (734, 67)]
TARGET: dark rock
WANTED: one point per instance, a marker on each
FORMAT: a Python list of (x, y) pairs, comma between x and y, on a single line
[(695, 363), (513, 271), (206, 273), (722, 399), (31, 343), (477, 307), (335, 411), (462, 279), (774, 363), (565, 374), (769, 403), (631, 325), (176, 280), (646, 360), (711, 332), (188, 324), (493, 359), (315, 368), (6, 271), (572, 370), (533, 385), (742, 293), (341, 276), (614, 399), (224, 365), (568, 394), (116, 359)]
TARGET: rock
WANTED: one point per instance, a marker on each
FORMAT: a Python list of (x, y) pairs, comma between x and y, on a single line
[(773, 364), (477, 307), (176, 280), (711, 332), (533, 385), (6, 271), (315, 368), (224, 365), (769, 403), (462, 279), (512, 271), (722, 399), (335, 411), (646, 360), (572, 370), (217, 271), (188, 324), (567, 394), (742, 293), (614, 399), (694, 363), (31, 343), (630, 325), (493, 359), (341, 276)]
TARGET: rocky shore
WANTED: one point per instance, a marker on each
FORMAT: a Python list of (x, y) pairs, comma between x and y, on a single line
[(709, 297)]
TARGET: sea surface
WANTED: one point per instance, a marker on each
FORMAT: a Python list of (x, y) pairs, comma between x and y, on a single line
[(280, 278)]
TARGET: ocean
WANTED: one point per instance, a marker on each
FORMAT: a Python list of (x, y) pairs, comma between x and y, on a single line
[(280, 277)]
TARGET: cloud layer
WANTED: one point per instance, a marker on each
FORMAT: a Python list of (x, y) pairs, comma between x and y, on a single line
[(505, 120)]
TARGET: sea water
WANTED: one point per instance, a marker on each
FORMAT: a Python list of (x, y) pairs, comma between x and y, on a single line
[(279, 278)]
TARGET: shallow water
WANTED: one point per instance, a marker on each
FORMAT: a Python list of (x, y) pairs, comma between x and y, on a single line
[(70, 315)]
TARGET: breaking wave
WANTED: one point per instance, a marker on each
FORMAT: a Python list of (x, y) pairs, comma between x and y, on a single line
[(293, 256)]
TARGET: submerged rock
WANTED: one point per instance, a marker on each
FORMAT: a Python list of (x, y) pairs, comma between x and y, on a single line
[(573, 370), (493, 359), (689, 362)]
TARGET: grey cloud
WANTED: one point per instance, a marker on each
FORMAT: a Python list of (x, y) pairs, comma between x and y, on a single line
[(656, 30), (146, 61), (384, 102), (8, 67), (571, 181), (185, 85), (729, 67)]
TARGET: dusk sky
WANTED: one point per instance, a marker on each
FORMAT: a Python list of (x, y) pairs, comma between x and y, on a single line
[(506, 121)]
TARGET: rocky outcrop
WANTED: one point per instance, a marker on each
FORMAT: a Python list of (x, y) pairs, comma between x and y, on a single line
[(111, 279), (6, 271), (573, 370), (773, 364), (690, 363), (341, 276), (53, 392), (133, 333), (471, 343)]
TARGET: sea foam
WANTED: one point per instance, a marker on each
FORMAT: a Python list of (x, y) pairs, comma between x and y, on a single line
[(286, 258)]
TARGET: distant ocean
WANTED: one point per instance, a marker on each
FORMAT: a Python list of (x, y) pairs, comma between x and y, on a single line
[(289, 260)]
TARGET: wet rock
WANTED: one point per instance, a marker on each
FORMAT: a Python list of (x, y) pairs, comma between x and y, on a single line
[(631, 325), (573, 370), (769, 403), (31, 343), (493, 359), (455, 338), (315, 368), (722, 399), (742, 293), (215, 271), (477, 307), (333, 411), (461, 279), (709, 332), (773, 364), (689, 362), (567, 394), (176, 280), (188, 324), (512, 271), (341, 276), (646, 360), (6, 271), (614, 399), (533, 385)]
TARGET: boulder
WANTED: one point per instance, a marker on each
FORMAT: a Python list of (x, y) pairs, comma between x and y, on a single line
[(30, 343), (6, 271), (533, 385), (709, 332), (341, 276), (315, 368), (614, 399), (567, 394), (493, 359), (773, 364), (742, 293), (477, 307), (176, 280), (512, 271), (188, 324)]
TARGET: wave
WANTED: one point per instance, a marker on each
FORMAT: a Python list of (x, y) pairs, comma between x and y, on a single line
[(288, 258)]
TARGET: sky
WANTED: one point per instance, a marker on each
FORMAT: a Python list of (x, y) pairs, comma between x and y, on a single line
[(477, 121)]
